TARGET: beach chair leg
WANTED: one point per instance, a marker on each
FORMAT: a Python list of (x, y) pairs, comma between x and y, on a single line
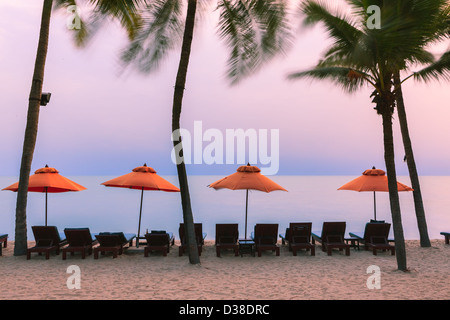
[(95, 254), (64, 255), (347, 251), (313, 251), (277, 252), (28, 254)]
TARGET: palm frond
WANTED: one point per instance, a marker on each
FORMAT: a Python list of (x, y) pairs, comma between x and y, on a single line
[(435, 71), (160, 30), (254, 31), (125, 11), (348, 79), (341, 28), (101, 11)]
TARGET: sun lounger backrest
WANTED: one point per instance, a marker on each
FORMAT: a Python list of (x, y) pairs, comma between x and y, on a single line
[(266, 233), (333, 229), (299, 229), (78, 236), (198, 233), (376, 230), (157, 239), (111, 238), (46, 235), (227, 232)]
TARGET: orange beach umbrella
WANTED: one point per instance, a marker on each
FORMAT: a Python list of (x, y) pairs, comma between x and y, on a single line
[(373, 180), (48, 180), (142, 178), (247, 177)]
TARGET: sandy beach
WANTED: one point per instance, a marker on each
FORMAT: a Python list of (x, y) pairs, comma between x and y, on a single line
[(131, 276)]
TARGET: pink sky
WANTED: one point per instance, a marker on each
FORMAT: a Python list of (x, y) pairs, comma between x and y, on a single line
[(102, 122)]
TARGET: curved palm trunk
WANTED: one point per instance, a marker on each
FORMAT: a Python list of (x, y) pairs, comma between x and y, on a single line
[(29, 142), (389, 159), (417, 194), (176, 113)]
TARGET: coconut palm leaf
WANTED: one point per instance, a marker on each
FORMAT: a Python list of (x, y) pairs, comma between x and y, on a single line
[(254, 31), (435, 71), (348, 79), (340, 27), (159, 31), (100, 12)]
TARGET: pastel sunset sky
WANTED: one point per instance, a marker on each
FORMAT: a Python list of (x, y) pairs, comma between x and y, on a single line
[(104, 120)]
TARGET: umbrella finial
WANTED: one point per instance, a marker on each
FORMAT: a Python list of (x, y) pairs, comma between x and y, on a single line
[(46, 165), (373, 167), (145, 164), (248, 163)]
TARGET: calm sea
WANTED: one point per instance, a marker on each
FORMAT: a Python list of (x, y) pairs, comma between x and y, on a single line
[(310, 198)]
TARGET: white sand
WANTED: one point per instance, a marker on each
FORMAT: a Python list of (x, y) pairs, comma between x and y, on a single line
[(132, 276)]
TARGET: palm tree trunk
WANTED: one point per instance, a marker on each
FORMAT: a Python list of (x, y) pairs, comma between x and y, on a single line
[(389, 159), (176, 113), (417, 194), (29, 143)]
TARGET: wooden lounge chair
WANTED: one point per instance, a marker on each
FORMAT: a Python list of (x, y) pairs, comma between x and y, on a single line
[(300, 238), (265, 237), (447, 237), (47, 240), (4, 240), (286, 238), (157, 241), (199, 237), (80, 240), (375, 237), (332, 237), (380, 243), (227, 236), (113, 242)]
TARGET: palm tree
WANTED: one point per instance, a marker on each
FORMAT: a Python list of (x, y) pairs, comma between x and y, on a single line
[(121, 10), (31, 129), (423, 23), (355, 59), (363, 56), (428, 23), (255, 30)]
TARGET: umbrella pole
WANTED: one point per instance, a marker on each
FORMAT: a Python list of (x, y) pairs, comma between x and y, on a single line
[(374, 207), (46, 193), (140, 215), (246, 210)]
